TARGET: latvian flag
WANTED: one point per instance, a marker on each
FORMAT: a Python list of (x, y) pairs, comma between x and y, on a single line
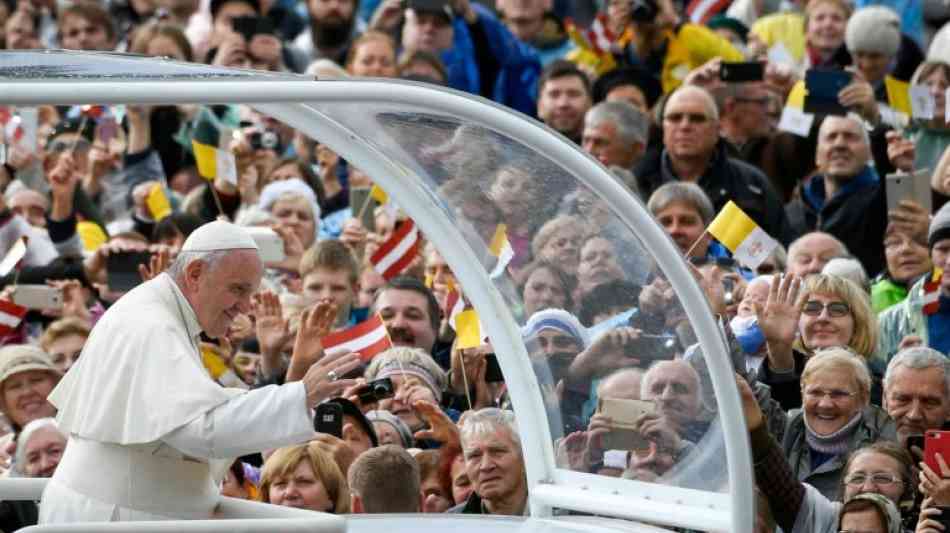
[(368, 338), (11, 315), (599, 34), (453, 305), (932, 292), (700, 11), (398, 252)]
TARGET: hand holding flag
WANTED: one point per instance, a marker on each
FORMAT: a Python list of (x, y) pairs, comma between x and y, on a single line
[(749, 244)]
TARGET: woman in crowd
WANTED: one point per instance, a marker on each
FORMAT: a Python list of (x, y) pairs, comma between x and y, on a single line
[(415, 376), (39, 449), (559, 241), (908, 258), (390, 429), (801, 317), (924, 141), (372, 55), (27, 376), (305, 477), (836, 419), (546, 286)]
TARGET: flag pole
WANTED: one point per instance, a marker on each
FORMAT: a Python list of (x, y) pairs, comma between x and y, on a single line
[(689, 252), (366, 203), (217, 199)]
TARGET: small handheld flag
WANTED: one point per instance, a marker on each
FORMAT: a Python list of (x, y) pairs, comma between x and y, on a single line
[(501, 248), (932, 292), (749, 244), (368, 338), (11, 315), (398, 252)]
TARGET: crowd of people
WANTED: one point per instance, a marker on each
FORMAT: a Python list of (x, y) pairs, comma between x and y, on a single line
[(838, 337)]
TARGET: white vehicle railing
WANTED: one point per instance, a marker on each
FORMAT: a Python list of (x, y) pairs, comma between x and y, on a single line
[(233, 515)]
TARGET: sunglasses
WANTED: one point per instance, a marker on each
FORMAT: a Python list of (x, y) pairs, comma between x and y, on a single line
[(722, 262), (835, 309)]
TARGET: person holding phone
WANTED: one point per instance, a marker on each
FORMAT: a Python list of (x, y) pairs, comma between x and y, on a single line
[(166, 419)]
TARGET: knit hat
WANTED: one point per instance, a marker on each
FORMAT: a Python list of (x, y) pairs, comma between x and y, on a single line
[(939, 226), (874, 29), (940, 46), (388, 418)]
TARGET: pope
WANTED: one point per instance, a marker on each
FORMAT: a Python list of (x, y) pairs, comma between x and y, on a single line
[(149, 431)]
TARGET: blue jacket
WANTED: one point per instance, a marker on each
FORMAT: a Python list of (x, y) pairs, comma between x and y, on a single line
[(516, 84)]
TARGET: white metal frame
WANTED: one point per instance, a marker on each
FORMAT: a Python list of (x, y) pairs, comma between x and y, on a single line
[(548, 485)]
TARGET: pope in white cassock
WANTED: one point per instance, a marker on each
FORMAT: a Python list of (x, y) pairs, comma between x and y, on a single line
[(149, 431)]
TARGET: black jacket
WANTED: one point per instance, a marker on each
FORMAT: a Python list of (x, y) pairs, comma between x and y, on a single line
[(727, 178), (857, 217)]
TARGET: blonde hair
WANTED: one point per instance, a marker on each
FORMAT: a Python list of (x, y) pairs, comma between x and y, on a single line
[(864, 338), (285, 460), (831, 359), (843, 5), (63, 327)]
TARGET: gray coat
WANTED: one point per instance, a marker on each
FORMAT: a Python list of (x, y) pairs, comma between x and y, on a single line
[(875, 425)]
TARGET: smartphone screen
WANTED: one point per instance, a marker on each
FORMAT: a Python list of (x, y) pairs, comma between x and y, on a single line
[(359, 197), (493, 370), (741, 71), (823, 87), (122, 270)]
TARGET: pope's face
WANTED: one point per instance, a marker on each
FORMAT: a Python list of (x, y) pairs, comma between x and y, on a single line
[(224, 291)]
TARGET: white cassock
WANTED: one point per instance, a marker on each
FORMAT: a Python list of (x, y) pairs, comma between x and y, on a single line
[(149, 431)]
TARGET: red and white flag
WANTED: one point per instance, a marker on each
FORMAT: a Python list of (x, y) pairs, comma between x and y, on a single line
[(700, 11), (398, 252), (11, 315), (368, 338), (932, 292), (599, 34), (454, 304)]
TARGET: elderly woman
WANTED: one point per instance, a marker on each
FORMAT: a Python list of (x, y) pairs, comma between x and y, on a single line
[(304, 477), (559, 241), (293, 205), (836, 419), (39, 449), (415, 376), (800, 317), (390, 429), (27, 376)]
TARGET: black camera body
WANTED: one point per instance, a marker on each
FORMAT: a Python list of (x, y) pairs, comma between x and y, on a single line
[(376, 390), (264, 140)]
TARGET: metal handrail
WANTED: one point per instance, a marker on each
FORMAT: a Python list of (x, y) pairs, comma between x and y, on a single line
[(234, 515)]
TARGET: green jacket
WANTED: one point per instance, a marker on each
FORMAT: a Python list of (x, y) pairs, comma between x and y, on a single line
[(886, 292), (899, 321)]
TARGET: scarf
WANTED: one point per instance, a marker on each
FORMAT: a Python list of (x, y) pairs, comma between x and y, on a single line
[(836, 443)]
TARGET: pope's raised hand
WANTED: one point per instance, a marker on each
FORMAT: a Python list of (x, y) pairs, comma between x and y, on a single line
[(322, 381)]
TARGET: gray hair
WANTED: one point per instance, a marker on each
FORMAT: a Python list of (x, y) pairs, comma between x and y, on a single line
[(19, 457), (486, 422), (211, 259), (854, 118), (683, 192), (919, 358), (632, 125)]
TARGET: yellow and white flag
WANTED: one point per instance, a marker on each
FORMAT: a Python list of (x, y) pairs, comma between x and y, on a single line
[(377, 193), (469, 330), (749, 244), (214, 162), (501, 248)]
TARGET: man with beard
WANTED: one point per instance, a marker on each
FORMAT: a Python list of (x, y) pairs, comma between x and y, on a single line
[(847, 198), (916, 391), (333, 25), (693, 151)]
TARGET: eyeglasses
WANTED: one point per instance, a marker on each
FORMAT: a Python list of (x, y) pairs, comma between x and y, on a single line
[(877, 478), (835, 309), (836, 395), (692, 118)]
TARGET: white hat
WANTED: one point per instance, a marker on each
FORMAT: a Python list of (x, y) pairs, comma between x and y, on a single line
[(940, 46), (218, 235)]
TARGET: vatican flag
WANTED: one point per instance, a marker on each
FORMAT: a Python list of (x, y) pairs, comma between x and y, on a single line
[(749, 244)]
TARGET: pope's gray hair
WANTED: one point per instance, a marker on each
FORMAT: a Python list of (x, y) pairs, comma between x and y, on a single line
[(211, 259)]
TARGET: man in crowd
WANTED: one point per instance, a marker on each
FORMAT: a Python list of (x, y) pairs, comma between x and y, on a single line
[(675, 387), (529, 21), (694, 152), (333, 26), (492, 450), (916, 391), (86, 25), (411, 314), (564, 96), (385, 480), (810, 253), (166, 419), (847, 198), (616, 134)]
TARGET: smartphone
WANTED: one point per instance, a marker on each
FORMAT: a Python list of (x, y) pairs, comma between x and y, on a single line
[(915, 441), (269, 243), (122, 270), (245, 26), (376, 390), (944, 517), (493, 370), (916, 187), (823, 87), (358, 198), (623, 414), (741, 71), (329, 419), (936, 442), (39, 297)]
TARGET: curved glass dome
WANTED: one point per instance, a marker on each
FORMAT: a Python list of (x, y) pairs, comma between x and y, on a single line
[(462, 168)]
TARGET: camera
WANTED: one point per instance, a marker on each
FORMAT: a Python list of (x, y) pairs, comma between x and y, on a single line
[(376, 390), (264, 140), (643, 10)]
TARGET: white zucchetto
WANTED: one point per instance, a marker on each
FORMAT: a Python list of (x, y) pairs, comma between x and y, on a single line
[(218, 235)]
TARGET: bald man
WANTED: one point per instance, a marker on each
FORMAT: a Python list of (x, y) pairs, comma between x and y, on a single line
[(694, 152)]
